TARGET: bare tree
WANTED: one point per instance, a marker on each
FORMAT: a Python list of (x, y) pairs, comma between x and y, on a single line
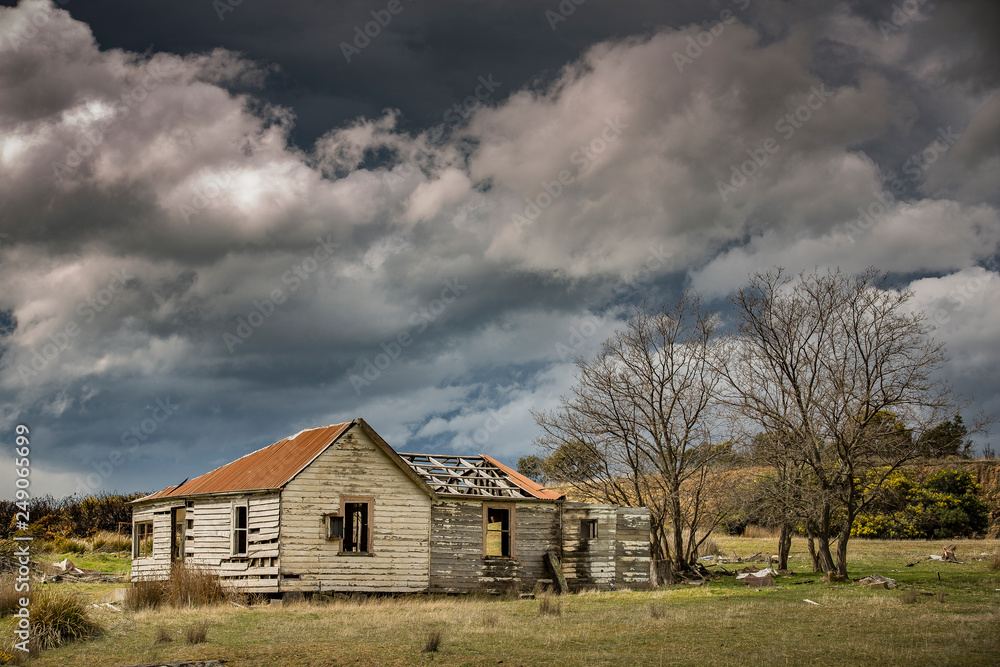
[(835, 363), (637, 427)]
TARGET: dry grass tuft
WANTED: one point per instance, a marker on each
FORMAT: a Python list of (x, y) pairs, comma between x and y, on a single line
[(71, 545), (197, 633), (432, 643), (162, 636), (9, 597), (60, 616), (144, 594), (709, 547), (188, 586), (108, 542), (549, 606), (193, 586), (759, 532)]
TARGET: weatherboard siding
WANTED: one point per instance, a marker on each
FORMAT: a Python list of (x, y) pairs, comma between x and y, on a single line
[(354, 466), (208, 540), (589, 562), (632, 549), (457, 562)]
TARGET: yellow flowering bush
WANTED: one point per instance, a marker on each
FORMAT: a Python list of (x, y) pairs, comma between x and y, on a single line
[(944, 505)]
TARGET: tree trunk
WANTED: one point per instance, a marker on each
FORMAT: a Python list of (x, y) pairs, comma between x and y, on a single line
[(845, 535), (680, 563), (662, 573), (784, 546), (812, 553)]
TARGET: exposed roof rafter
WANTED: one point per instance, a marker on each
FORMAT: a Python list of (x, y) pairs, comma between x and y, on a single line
[(474, 476)]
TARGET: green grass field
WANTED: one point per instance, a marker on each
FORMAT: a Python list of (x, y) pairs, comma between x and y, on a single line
[(722, 622)]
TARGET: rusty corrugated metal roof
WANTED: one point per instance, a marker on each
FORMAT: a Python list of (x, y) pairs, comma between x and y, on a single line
[(269, 468), (525, 483)]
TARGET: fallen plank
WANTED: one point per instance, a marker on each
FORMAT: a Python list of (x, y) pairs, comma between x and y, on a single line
[(557, 571)]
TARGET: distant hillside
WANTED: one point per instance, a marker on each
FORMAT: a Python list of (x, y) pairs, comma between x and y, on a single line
[(986, 472)]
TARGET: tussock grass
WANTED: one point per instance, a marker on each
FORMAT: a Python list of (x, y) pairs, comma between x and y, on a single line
[(67, 545), (737, 625), (197, 633), (709, 547), (9, 596), (59, 616), (549, 606), (144, 594), (192, 586), (188, 586), (755, 531), (106, 541), (432, 643)]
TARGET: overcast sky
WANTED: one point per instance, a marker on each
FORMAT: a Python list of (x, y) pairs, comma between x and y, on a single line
[(224, 222)]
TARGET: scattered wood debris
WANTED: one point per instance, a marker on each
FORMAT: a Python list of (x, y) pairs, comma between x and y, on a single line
[(877, 581), (759, 582), (66, 571)]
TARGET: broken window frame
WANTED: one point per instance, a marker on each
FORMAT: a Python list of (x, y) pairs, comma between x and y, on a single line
[(178, 533), (142, 539), (368, 526), (331, 520), (588, 529), (511, 551), (237, 530)]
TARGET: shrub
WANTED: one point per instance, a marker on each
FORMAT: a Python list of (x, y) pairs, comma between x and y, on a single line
[(70, 545), (197, 633), (8, 559), (943, 506), (432, 643), (60, 616)]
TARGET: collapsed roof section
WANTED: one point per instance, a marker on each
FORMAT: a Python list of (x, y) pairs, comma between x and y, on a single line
[(475, 476)]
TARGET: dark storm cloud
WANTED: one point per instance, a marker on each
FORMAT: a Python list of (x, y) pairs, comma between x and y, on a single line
[(427, 59), (227, 216)]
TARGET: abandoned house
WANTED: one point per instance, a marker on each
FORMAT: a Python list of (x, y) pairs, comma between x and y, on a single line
[(335, 508)]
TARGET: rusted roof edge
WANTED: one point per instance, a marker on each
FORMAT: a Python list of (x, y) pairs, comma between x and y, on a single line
[(240, 492), (532, 487)]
